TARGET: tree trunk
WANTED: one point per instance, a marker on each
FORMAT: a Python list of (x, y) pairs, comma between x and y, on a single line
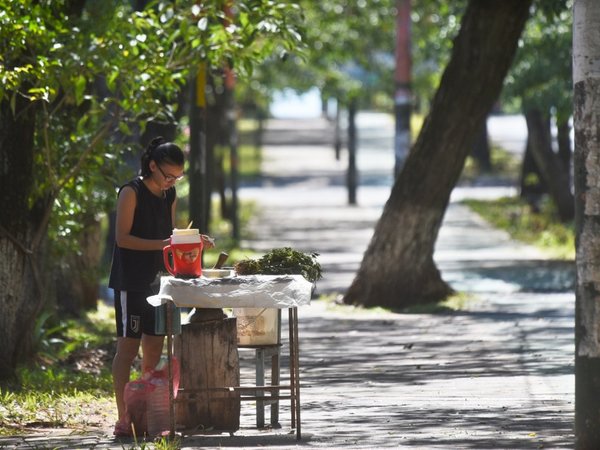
[(155, 129), (77, 273), (260, 131), (352, 175), (481, 150), (197, 171), (232, 134), (550, 167), (564, 146), (532, 186), (398, 268), (216, 136), (20, 285), (586, 119), (337, 138), (221, 185)]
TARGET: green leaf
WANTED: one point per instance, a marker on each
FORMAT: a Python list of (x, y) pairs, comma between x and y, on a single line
[(80, 85), (124, 128), (110, 80)]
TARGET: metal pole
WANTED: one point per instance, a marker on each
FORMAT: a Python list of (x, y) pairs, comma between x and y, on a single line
[(297, 374), (292, 368), (402, 97), (169, 330)]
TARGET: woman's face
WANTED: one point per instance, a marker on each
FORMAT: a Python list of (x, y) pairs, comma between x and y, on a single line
[(166, 175)]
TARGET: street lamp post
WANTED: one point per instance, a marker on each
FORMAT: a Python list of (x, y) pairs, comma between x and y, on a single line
[(402, 97)]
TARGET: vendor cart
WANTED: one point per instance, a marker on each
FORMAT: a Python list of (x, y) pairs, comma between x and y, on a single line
[(249, 291)]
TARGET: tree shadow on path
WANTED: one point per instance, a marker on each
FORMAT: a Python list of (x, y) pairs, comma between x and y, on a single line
[(472, 379)]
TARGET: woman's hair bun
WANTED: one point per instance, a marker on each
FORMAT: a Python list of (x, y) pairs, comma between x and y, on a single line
[(160, 150), (154, 143)]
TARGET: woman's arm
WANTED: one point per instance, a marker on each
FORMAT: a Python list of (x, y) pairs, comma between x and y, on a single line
[(125, 211), (173, 209)]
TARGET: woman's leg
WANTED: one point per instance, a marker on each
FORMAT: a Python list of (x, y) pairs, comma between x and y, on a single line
[(127, 350), (151, 350)]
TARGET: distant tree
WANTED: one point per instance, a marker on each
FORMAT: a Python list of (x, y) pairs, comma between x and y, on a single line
[(398, 268), (349, 58), (540, 82)]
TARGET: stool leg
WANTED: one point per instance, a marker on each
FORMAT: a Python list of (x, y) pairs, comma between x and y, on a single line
[(260, 381), (275, 381)]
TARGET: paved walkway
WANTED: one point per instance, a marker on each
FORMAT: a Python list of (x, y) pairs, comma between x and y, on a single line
[(496, 375)]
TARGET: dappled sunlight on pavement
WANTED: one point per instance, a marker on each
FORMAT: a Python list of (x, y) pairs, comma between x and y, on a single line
[(498, 374)]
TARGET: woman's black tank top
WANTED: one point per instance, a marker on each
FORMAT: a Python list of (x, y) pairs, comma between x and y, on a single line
[(135, 270)]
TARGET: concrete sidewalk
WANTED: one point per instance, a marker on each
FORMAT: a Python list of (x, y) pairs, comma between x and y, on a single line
[(496, 375)]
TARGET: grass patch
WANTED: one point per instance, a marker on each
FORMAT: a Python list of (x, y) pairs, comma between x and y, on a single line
[(541, 229), (248, 163), (504, 166), (70, 383), (459, 301), (75, 410), (72, 392), (333, 303), (456, 302)]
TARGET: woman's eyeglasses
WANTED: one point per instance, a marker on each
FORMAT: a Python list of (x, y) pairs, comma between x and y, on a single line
[(169, 178)]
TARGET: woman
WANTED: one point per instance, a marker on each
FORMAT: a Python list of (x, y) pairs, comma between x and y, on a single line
[(144, 222)]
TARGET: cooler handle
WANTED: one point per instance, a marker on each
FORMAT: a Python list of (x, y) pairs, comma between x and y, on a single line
[(166, 251)]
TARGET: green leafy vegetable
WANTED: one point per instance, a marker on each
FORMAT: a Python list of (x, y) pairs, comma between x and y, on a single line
[(282, 261)]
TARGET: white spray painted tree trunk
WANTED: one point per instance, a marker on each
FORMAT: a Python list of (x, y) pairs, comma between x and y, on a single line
[(586, 118)]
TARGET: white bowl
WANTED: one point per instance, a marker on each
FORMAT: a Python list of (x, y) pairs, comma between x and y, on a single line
[(217, 273)]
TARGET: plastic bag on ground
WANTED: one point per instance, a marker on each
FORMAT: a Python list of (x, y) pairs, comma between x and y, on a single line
[(135, 396), (147, 400), (157, 404)]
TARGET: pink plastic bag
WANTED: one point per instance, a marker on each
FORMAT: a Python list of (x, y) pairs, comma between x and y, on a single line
[(161, 372), (147, 400), (157, 401), (135, 395)]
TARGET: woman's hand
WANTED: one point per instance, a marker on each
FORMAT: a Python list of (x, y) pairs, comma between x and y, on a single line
[(207, 241)]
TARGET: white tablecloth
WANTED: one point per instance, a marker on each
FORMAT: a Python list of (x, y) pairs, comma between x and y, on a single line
[(247, 291)]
